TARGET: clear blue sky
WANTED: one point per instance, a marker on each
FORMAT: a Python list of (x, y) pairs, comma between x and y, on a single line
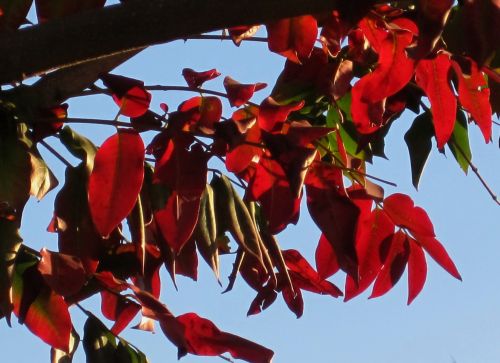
[(450, 321)]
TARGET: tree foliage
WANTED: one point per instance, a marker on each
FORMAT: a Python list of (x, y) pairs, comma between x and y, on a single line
[(210, 173)]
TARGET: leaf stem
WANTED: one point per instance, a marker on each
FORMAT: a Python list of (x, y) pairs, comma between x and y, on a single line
[(55, 153)]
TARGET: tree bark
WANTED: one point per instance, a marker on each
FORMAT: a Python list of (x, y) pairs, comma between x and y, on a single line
[(133, 25)]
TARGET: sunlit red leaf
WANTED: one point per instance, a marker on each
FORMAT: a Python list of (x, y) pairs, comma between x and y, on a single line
[(178, 219), (186, 262), (293, 37), (333, 33), (326, 260), (203, 111), (128, 93), (403, 212), (116, 179), (436, 250), (271, 188), (394, 265), (238, 94), (293, 300), (432, 75), (118, 309), (204, 338), (417, 270), (242, 155), (196, 79), (272, 115), (304, 277), (64, 274), (394, 69), (474, 96)]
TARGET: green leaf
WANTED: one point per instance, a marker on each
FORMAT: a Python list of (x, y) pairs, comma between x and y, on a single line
[(10, 241), (98, 342), (125, 353), (79, 146), (459, 142), (418, 139)]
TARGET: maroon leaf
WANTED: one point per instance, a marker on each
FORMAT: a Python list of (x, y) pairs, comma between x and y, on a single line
[(118, 309), (196, 79), (238, 94), (326, 260), (116, 179), (394, 265), (64, 274), (203, 112), (293, 300), (272, 115), (204, 338)]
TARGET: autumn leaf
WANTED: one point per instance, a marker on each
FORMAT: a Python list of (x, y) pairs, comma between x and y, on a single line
[(203, 112), (196, 79), (204, 338), (293, 37), (272, 115), (128, 93), (119, 309), (238, 94), (432, 75), (417, 269), (474, 96), (404, 213), (326, 260), (116, 179)]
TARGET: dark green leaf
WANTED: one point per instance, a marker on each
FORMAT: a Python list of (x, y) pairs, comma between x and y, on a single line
[(98, 342), (79, 146), (459, 142), (418, 138)]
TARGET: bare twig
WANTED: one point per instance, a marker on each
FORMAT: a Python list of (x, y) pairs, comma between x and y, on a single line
[(55, 153)]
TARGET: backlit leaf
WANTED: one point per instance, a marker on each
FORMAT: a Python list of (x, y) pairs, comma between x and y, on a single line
[(129, 94), (404, 213), (116, 179), (10, 243), (238, 94), (432, 75), (196, 79), (436, 250), (417, 270), (459, 142)]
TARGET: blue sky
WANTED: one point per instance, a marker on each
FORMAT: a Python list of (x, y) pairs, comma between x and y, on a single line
[(450, 321)]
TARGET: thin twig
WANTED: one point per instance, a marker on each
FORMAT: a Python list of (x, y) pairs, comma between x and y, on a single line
[(55, 153), (226, 358), (476, 171), (223, 37)]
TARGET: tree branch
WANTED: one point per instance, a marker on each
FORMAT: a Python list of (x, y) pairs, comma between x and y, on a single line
[(132, 25)]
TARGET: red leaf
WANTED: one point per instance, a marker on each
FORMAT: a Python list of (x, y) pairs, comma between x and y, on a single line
[(186, 262), (45, 313), (303, 134), (64, 274), (205, 112), (436, 250), (394, 265), (242, 155), (178, 219), (204, 338), (367, 117), (272, 115), (417, 270), (432, 75), (304, 277), (293, 37), (116, 180), (474, 95), (371, 232), (403, 212), (183, 170), (271, 188), (326, 259), (128, 93), (293, 300), (118, 309), (238, 94), (337, 217), (196, 79), (394, 69)]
